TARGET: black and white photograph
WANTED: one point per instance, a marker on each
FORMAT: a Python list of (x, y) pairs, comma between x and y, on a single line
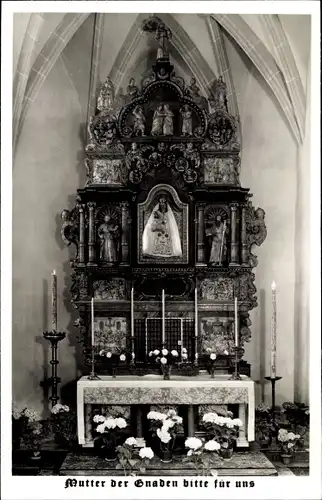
[(162, 311)]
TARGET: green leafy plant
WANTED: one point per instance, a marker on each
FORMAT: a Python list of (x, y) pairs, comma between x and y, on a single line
[(63, 424), (27, 428), (165, 426), (287, 441), (109, 431), (296, 417), (200, 454), (131, 460), (265, 426)]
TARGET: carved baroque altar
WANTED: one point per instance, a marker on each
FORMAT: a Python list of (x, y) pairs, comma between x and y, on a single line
[(163, 208)]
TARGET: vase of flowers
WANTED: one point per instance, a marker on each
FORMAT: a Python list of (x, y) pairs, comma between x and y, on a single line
[(265, 427), (211, 359), (224, 430), (109, 433), (29, 430), (296, 417), (287, 442), (63, 425), (165, 426), (200, 454), (114, 359), (132, 459), (166, 359)]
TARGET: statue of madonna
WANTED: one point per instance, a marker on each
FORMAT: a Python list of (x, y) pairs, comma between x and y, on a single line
[(161, 236)]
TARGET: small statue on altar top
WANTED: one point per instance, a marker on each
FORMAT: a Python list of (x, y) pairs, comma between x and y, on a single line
[(139, 121), (106, 96), (107, 233), (220, 93), (168, 120), (218, 234), (132, 89), (186, 114), (193, 89), (163, 35)]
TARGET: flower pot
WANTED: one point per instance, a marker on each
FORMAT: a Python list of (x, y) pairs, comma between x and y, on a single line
[(166, 456), (226, 453), (109, 455), (264, 443), (35, 455), (166, 370), (286, 458)]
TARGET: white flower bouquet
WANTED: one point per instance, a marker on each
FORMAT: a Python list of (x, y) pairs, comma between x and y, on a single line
[(287, 441), (165, 358), (114, 359), (108, 434), (200, 454), (211, 361), (223, 429), (132, 459), (165, 426)]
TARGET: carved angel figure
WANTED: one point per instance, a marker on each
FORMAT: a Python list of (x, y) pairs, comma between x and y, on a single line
[(162, 35), (218, 233), (107, 233), (139, 121), (106, 96), (186, 114), (161, 236), (193, 89), (132, 89)]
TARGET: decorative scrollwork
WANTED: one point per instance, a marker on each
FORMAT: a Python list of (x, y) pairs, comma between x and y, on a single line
[(79, 287), (256, 231)]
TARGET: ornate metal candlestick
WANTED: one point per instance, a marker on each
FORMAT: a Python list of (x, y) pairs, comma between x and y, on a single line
[(93, 375), (238, 351), (273, 381), (54, 337)]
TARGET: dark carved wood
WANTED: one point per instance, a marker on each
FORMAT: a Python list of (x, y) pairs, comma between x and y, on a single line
[(164, 138)]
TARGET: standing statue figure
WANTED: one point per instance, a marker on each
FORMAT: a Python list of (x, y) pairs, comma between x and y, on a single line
[(218, 232), (186, 114), (193, 90), (162, 35), (157, 124), (106, 96), (107, 233), (220, 91), (139, 121), (161, 236), (132, 89), (168, 120)]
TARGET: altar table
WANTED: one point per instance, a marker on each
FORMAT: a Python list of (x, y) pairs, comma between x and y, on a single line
[(180, 390)]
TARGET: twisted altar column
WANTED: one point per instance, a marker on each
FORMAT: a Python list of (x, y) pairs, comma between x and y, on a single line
[(125, 234), (91, 234), (243, 236), (233, 242), (81, 249), (200, 235)]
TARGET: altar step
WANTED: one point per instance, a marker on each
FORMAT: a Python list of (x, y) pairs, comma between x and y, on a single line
[(250, 463)]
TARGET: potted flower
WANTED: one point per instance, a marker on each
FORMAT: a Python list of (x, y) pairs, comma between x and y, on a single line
[(115, 359), (264, 425), (296, 417), (211, 358), (224, 430), (131, 459), (63, 425), (287, 442), (165, 426), (166, 359), (31, 431), (108, 435), (200, 454)]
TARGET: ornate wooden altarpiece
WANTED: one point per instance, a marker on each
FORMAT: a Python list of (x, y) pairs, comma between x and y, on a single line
[(163, 208)]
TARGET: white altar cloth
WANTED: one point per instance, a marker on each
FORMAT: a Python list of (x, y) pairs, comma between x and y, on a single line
[(179, 390)]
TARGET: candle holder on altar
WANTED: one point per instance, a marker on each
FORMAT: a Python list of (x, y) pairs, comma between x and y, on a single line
[(93, 375), (238, 351), (273, 381), (54, 337)]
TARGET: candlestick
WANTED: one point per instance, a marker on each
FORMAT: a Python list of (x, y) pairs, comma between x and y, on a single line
[(54, 300), (236, 323), (132, 312), (273, 332), (92, 322), (163, 317), (54, 337), (196, 326)]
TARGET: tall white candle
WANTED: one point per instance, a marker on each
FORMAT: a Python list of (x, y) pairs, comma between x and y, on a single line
[(273, 332), (163, 317), (132, 312), (92, 317), (196, 312), (236, 323), (54, 299)]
